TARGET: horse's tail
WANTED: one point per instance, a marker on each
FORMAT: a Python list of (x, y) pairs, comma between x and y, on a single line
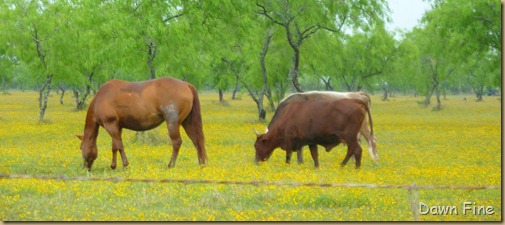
[(194, 128)]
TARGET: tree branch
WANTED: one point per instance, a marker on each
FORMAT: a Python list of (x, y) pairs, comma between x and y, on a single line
[(173, 17), (264, 12), (251, 92), (372, 74)]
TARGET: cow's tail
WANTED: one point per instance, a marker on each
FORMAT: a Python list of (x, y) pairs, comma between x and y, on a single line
[(370, 119), (369, 99), (194, 128), (373, 149)]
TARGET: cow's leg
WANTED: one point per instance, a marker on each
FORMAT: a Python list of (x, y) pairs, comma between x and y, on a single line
[(347, 157), (353, 150), (175, 136), (352, 145), (314, 153), (357, 154), (288, 156), (117, 144), (299, 155)]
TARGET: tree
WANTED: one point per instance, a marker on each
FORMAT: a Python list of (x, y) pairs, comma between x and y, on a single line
[(83, 69), (257, 96), (480, 73), (365, 56), (303, 19), (471, 31), (34, 33)]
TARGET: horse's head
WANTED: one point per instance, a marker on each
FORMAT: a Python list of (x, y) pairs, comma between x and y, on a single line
[(89, 151)]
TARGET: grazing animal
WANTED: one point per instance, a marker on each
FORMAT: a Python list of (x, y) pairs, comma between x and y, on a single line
[(314, 120), (142, 106), (364, 131)]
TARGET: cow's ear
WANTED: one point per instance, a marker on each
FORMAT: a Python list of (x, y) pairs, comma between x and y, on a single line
[(80, 137)]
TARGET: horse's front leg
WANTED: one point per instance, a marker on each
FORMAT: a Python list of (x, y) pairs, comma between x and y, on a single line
[(114, 157), (117, 144)]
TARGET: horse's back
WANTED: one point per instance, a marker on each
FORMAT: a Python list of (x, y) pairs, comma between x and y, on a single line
[(165, 87), (143, 105)]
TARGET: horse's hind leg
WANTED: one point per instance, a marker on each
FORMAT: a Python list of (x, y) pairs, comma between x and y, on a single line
[(175, 136), (195, 133)]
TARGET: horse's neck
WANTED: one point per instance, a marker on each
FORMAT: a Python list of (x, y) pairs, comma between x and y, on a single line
[(90, 127)]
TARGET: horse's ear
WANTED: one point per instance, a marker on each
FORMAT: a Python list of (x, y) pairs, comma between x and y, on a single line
[(80, 137)]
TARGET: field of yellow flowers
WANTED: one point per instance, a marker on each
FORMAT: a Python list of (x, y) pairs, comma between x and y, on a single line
[(459, 145)]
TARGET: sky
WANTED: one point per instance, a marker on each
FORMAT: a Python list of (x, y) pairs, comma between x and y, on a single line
[(405, 14)]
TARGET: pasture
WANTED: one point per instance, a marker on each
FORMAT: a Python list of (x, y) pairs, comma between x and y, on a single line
[(460, 146)]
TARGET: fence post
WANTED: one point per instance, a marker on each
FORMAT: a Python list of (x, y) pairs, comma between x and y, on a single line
[(414, 201)]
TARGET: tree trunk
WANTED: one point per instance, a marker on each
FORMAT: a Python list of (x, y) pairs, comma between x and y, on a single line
[(386, 94), (262, 114), (437, 94), (261, 111), (294, 71), (80, 100), (270, 100), (327, 84), (151, 54), (236, 90), (480, 93), (427, 101), (4, 84), (257, 97), (43, 96), (221, 99), (62, 95)]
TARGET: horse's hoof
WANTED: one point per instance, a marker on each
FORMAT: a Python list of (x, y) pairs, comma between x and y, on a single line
[(113, 167)]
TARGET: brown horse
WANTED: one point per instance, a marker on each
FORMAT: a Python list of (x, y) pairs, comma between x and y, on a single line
[(142, 106)]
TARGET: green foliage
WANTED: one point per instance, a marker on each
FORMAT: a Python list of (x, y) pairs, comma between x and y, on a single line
[(341, 45), (455, 46)]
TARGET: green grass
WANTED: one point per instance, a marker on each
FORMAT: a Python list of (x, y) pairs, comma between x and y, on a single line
[(459, 145)]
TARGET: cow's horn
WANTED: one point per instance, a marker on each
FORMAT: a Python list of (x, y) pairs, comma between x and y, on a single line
[(256, 132)]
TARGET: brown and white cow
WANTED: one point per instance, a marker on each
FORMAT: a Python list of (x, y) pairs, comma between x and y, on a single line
[(313, 120), (365, 129)]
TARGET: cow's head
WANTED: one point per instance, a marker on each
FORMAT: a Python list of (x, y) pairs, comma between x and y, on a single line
[(264, 147)]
